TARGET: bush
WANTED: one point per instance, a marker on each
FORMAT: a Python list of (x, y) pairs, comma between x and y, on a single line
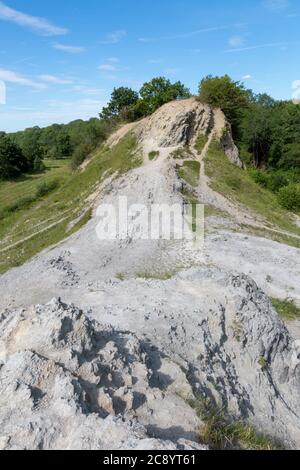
[(23, 203), (260, 177), (289, 197), (277, 181), (79, 155), (44, 189)]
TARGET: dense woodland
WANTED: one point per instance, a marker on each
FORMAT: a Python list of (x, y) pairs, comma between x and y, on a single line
[(267, 132)]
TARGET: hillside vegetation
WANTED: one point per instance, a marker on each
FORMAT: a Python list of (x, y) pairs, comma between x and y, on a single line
[(33, 219)]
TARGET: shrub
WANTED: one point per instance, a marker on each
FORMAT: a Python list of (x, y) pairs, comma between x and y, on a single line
[(277, 181), (260, 178), (289, 197), (153, 155), (23, 203), (79, 155), (286, 309), (45, 188)]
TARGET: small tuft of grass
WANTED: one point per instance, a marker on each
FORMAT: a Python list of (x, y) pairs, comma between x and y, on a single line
[(221, 434), (263, 362), (148, 276), (153, 155), (286, 309), (190, 172), (200, 143), (181, 153)]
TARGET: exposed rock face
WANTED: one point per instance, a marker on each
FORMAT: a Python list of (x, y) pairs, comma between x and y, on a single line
[(66, 382), (179, 123), (176, 123), (156, 322)]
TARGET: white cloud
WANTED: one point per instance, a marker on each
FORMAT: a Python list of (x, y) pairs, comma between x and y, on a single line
[(236, 41), (40, 25), (85, 90), (69, 49), (247, 77), (115, 37), (259, 46), (171, 71), (10, 76), (55, 80), (155, 61), (53, 111), (107, 67), (114, 60)]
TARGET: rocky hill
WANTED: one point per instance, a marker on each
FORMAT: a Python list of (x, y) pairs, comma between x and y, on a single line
[(106, 344)]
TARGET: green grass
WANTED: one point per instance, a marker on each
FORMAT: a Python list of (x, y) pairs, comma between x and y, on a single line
[(200, 143), (181, 153), (237, 185), (26, 186), (286, 309), (162, 276), (190, 172), (45, 222), (221, 434), (212, 211), (153, 155)]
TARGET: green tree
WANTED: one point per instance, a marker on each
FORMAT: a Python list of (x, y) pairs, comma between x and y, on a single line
[(122, 98), (12, 160), (257, 133), (158, 92), (224, 93), (32, 148)]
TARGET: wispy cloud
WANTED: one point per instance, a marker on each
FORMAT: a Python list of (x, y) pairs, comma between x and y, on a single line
[(54, 111), (171, 71), (276, 5), (85, 90), (69, 49), (108, 67), (114, 60), (39, 25), (155, 61), (247, 77), (259, 46), (55, 80), (236, 41), (184, 35), (10, 76), (114, 37)]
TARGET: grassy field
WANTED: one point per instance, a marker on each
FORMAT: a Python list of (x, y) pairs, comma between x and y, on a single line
[(11, 191), (237, 185), (26, 229)]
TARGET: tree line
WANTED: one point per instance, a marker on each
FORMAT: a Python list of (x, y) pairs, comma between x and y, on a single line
[(266, 131)]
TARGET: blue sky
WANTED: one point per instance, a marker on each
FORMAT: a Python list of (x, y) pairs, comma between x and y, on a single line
[(61, 59)]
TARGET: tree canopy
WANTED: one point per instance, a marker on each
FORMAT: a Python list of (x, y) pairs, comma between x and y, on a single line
[(223, 92), (127, 104), (122, 98), (12, 160)]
